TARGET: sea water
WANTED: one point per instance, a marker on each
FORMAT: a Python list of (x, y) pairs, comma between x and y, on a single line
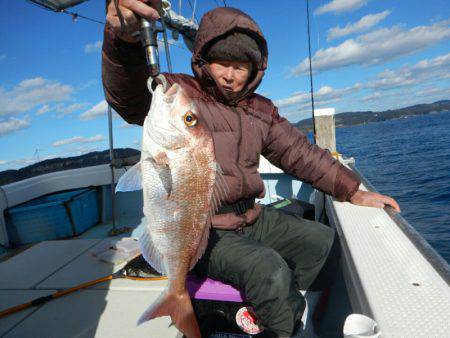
[(408, 159)]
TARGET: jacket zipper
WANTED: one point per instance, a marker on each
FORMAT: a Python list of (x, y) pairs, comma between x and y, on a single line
[(244, 181)]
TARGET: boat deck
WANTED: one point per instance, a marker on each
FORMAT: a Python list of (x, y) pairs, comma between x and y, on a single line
[(110, 309)]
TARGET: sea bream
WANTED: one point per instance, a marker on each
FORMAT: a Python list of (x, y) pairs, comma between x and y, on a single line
[(182, 187)]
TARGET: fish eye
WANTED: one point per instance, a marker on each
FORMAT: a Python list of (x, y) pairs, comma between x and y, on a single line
[(190, 119)]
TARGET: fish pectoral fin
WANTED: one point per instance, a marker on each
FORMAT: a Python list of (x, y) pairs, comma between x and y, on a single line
[(179, 308), (131, 180), (161, 159), (163, 170)]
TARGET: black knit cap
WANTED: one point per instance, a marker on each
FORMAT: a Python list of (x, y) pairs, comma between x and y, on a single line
[(235, 46)]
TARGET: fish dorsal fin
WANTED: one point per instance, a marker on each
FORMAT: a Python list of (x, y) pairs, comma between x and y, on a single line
[(131, 180), (220, 189), (203, 243), (150, 253)]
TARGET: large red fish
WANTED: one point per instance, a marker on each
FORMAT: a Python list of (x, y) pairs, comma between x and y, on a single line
[(181, 186)]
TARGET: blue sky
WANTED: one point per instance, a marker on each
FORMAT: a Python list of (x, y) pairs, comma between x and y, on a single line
[(367, 55)]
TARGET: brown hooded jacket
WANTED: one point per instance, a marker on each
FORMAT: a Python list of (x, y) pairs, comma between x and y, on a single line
[(244, 127)]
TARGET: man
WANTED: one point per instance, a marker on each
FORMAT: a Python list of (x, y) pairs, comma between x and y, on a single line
[(269, 255)]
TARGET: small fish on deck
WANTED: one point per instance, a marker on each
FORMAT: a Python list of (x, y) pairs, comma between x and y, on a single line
[(182, 188)]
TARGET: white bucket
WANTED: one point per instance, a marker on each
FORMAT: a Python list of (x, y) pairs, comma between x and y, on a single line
[(360, 326)]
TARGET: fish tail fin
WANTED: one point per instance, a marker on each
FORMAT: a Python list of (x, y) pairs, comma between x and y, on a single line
[(179, 308)]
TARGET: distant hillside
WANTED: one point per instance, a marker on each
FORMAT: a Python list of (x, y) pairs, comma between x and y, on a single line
[(59, 164), (355, 118)]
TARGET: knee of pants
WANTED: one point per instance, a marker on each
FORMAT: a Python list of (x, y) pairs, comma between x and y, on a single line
[(271, 273), (321, 241), (328, 272), (279, 279)]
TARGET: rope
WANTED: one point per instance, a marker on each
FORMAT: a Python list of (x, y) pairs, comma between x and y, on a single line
[(61, 293), (72, 14), (193, 10), (76, 15)]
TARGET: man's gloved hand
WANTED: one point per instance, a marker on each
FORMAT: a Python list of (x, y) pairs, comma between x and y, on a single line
[(131, 11)]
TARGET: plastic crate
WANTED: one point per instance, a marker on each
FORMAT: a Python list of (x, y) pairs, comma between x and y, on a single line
[(53, 216)]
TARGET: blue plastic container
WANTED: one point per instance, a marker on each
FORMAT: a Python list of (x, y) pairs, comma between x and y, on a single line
[(53, 216)]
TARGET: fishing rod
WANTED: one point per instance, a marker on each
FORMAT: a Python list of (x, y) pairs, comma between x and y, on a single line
[(45, 299), (310, 72)]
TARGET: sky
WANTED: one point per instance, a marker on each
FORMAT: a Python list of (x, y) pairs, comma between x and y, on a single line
[(366, 55)]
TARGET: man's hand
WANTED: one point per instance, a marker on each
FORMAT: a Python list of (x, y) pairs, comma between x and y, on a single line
[(131, 11), (373, 199)]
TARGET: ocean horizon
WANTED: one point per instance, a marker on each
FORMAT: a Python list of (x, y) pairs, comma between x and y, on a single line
[(409, 160)]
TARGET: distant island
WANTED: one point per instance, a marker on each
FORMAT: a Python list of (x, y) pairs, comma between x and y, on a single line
[(59, 164), (128, 154), (356, 118)]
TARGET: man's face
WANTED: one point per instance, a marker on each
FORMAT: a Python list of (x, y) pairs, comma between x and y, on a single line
[(231, 75)]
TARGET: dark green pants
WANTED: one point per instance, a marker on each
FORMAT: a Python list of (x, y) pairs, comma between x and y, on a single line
[(270, 261)]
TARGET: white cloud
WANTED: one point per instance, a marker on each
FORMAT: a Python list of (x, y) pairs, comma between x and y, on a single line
[(31, 93), (18, 163), (432, 93), (127, 125), (82, 150), (2, 57), (376, 47), (324, 95), (137, 144), (88, 84), (171, 42), (434, 69), (388, 89), (363, 24), (44, 109), (64, 110), (61, 108), (12, 125), (79, 139), (93, 47), (340, 6), (100, 109)]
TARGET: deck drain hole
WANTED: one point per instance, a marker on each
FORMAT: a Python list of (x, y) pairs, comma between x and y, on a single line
[(416, 284)]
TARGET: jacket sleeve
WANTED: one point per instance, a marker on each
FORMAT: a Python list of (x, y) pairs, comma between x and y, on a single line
[(286, 147), (124, 76)]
